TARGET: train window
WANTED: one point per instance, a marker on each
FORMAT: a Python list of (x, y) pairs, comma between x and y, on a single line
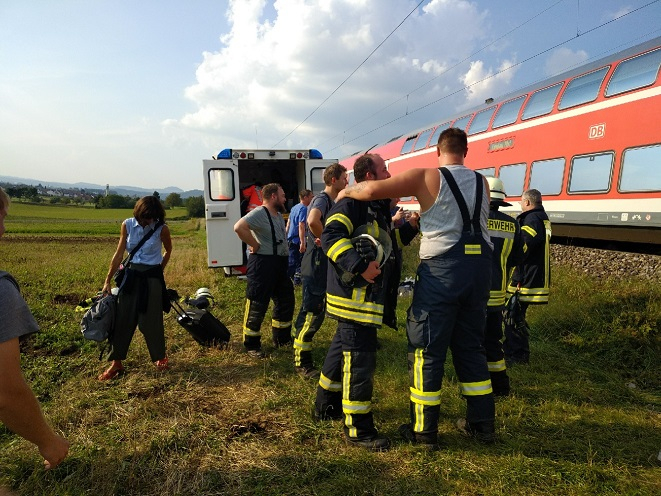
[(422, 140), (489, 171), (481, 121), (582, 89), (591, 173), (508, 112), (462, 122), (408, 145), (541, 102), (513, 177), (546, 176), (641, 170), (634, 73), (439, 129)]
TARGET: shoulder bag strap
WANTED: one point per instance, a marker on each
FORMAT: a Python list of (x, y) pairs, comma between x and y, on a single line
[(143, 241)]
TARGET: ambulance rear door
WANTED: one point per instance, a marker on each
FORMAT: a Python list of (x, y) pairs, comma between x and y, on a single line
[(222, 198), (314, 174)]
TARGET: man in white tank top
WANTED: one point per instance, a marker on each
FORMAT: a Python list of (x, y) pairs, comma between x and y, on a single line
[(452, 288)]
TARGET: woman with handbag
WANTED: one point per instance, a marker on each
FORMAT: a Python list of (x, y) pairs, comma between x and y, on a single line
[(142, 297)]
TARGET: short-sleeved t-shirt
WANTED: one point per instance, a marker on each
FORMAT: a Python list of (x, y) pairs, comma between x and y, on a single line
[(15, 316), (298, 214), (260, 226)]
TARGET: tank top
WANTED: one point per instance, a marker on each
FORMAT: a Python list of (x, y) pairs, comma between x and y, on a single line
[(441, 225), (149, 253)]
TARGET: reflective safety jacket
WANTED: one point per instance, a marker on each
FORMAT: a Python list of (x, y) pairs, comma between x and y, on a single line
[(252, 197), (508, 251), (534, 274), (348, 298)]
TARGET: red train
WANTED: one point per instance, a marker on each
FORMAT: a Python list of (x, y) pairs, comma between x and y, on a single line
[(589, 140)]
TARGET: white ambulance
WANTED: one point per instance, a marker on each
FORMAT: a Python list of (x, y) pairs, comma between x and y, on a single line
[(233, 171)]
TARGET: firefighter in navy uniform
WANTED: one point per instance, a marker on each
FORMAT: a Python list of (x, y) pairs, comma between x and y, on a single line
[(508, 250), (357, 289), (263, 230), (532, 277)]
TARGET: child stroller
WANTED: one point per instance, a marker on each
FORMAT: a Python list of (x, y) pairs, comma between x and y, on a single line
[(206, 329)]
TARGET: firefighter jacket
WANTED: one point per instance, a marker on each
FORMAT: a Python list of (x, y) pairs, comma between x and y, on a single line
[(252, 198), (508, 251), (348, 299), (534, 274)]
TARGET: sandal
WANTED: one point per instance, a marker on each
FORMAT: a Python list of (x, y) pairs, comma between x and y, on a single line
[(162, 364), (111, 373)]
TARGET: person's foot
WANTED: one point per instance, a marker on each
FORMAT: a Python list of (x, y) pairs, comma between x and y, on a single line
[(162, 364), (115, 370), (484, 432), (426, 441), (307, 372), (257, 353), (376, 443)]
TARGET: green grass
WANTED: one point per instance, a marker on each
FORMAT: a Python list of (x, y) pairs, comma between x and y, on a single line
[(584, 417)]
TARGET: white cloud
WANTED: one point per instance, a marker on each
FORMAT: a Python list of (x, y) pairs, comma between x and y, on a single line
[(268, 75), (482, 83), (563, 59)]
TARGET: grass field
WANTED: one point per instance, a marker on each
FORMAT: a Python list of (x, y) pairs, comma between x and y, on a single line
[(584, 417)]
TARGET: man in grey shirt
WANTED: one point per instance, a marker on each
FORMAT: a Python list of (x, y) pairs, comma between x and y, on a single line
[(263, 230)]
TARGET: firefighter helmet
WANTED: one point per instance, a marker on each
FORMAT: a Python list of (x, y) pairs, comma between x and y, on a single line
[(497, 191)]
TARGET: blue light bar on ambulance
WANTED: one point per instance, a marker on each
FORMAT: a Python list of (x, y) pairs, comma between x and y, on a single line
[(226, 153), (315, 153)]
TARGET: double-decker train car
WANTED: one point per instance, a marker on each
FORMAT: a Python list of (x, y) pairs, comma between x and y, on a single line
[(589, 140)]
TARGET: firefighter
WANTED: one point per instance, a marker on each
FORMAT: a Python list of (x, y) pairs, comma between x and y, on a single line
[(451, 292), (532, 277), (314, 268), (358, 277), (263, 230), (508, 251)]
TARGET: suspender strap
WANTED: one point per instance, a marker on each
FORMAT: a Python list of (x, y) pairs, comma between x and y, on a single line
[(463, 208), (275, 243)]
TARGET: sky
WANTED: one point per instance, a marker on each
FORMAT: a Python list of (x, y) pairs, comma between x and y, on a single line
[(138, 93)]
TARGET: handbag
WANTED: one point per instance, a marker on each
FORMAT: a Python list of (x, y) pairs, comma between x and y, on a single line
[(120, 273)]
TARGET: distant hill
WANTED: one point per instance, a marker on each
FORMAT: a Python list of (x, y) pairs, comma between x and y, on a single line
[(119, 190)]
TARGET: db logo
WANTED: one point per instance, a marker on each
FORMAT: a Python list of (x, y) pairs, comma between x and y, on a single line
[(597, 131)]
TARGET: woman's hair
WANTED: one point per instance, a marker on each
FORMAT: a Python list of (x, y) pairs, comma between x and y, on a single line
[(149, 207), (4, 199)]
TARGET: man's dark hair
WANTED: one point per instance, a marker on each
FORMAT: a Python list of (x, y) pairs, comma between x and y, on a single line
[(269, 190), (333, 171), (303, 193), (453, 140), (533, 196), (363, 165), (149, 207)]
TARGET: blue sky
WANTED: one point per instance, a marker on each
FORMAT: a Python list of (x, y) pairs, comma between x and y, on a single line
[(139, 92)]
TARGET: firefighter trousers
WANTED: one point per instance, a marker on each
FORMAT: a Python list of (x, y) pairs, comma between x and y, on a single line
[(267, 279), (448, 310), (516, 345), (347, 379), (493, 346), (309, 320)]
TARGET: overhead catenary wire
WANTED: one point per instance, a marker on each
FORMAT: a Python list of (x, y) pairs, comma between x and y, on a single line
[(410, 112), (352, 73)]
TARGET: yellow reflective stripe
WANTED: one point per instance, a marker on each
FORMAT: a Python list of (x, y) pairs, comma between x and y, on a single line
[(302, 345), (535, 299), (418, 408), (358, 302), (329, 385), (498, 366), (504, 255), (425, 397), (339, 247), (346, 375), (246, 330), (476, 388), (529, 230), (472, 249), (250, 332), (360, 407), (343, 219), (279, 324), (534, 291), (348, 423), (496, 298)]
